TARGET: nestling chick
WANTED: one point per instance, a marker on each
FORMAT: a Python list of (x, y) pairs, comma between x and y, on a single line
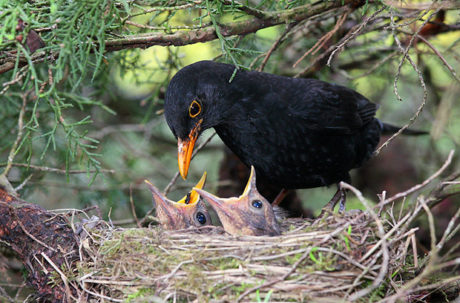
[(188, 211), (250, 214)]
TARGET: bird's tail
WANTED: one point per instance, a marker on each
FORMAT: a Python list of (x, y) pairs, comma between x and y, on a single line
[(388, 129)]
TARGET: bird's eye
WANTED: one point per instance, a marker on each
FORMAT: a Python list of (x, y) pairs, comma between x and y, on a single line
[(257, 204), (201, 218), (194, 109)]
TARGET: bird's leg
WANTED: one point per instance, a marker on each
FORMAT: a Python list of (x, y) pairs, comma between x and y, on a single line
[(343, 200), (280, 197), (339, 197)]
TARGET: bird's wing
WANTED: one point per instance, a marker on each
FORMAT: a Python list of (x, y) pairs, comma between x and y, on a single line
[(330, 108)]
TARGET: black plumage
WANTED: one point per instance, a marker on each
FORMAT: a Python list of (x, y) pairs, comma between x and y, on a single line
[(297, 133)]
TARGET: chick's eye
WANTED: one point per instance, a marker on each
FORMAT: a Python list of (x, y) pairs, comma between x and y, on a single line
[(257, 204), (201, 218), (194, 109)]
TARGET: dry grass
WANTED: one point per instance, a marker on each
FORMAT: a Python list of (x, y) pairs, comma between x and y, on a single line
[(360, 256)]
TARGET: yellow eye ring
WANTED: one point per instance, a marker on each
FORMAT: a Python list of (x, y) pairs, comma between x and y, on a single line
[(194, 109)]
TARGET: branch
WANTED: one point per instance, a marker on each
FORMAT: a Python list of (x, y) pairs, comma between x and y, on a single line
[(252, 25), (208, 33), (44, 242), (418, 186), (58, 170)]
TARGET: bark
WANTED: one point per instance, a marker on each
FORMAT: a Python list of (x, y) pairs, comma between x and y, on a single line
[(44, 242)]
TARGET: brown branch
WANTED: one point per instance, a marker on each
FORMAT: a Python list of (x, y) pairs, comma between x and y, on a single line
[(324, 39), (58, 170), (19, 135), (441, 57), (338, 46), (9, 63), (275, 46), (184, 37), (405, 53), (385, 251), (247, 9), (418, 186), (43, 241), (252, 25), (445, 4), (284, 277)]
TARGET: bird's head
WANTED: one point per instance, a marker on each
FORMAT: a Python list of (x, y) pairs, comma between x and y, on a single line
[(198, 97), (249, 214), (188, 211)]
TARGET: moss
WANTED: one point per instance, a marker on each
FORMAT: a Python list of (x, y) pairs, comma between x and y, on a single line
[(239, 289), (190, 266), (141, 293)]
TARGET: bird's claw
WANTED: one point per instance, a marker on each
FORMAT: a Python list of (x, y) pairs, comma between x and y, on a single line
[(328, 209)]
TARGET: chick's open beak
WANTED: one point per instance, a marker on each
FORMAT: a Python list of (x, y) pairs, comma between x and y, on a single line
[(193, 197), (185, 149), (172, 215), (158, 197)]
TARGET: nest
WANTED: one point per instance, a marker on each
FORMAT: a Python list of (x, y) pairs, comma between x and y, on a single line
[(358, 256), (342, 256)]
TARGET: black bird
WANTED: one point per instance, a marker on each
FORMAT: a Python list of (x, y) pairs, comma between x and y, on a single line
[(297, 133)]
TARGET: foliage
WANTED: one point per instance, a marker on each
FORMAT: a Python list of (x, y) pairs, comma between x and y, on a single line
[(83, 82), (89, 99)]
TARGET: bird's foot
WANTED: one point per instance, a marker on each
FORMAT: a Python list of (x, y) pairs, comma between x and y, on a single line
[(342, 201), (280, 197), (339, 197)]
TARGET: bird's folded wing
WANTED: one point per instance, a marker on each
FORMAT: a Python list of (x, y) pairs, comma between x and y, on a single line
[(331, 109)]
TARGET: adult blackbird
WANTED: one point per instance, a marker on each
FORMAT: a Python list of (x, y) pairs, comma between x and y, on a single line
[(249, 214), (297, 133), (188, 211)]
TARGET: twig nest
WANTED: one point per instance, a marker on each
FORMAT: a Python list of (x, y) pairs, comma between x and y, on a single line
[(335, 258)]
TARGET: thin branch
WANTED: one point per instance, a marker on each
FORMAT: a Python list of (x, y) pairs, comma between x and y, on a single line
[(57, 170), (450, 230), (324, 39), (164, 9), (209, 33), (275, 46), (353, 34), (133, 207), (445, 4), (252, 25), (395, 83), (247, 9), (284, 277), (23, 183), (418, 186), (169, 28), (348, 36), (385, 250), (430, 224), (18, 137), (64, 278), (444, 61)]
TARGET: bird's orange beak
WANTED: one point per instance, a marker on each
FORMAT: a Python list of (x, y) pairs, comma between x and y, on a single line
[(185, 149)]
